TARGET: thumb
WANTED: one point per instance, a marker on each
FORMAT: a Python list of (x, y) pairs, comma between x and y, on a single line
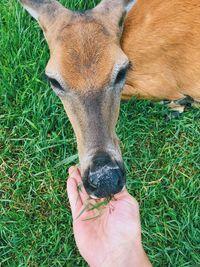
[(74, 196), (124, 194)]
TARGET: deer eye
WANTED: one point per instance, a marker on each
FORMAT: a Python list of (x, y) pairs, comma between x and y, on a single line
[(54, 83), (121, 76)]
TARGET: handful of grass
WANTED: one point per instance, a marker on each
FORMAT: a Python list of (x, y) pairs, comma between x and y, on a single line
[(98, 207)]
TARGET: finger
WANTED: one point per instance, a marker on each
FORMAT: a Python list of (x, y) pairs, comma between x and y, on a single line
[(74, 172), (124, 194), (74, 197)]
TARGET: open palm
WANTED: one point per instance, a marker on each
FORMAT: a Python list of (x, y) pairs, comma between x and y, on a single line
[(104, 233)]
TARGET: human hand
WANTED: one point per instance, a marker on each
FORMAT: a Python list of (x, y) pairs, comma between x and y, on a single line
[(111, 238)]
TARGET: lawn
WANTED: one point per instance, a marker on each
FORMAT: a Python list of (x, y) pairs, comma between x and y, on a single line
[(37, 145)]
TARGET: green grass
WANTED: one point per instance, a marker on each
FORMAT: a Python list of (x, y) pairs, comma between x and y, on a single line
[(37, 146)]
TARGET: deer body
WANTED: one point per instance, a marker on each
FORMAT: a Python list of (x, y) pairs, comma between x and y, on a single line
[(162, 39), (89, 65)]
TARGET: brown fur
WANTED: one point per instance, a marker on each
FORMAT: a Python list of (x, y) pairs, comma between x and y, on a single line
[(162, 39), (85, 51), (84, 56)]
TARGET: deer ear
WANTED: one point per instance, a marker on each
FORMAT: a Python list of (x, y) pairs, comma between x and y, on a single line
[(44, 11), (129, 4), (116, 10), (111, 5)]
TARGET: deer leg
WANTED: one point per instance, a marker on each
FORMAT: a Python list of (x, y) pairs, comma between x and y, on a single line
[(178, 106)]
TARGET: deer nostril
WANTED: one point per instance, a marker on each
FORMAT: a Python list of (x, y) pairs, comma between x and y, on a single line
[(105, 181), (104, 177)]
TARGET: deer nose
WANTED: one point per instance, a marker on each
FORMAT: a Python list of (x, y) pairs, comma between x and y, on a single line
[(105, 177)]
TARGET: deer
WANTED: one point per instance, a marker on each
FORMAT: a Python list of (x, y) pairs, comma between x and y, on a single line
[(117, 50)]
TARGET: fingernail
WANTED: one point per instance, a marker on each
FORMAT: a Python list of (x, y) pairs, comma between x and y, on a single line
[(71, 170)]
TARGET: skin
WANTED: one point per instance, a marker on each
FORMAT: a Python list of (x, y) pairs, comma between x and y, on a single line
[(115, 236)]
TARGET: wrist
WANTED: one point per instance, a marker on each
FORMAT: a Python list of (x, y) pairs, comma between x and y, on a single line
[(137, 258), (134, 257)]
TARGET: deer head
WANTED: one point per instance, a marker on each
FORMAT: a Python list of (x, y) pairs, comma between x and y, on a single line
[(87, 70)]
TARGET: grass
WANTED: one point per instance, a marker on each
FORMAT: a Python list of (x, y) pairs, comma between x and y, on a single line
[(37, 146)]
